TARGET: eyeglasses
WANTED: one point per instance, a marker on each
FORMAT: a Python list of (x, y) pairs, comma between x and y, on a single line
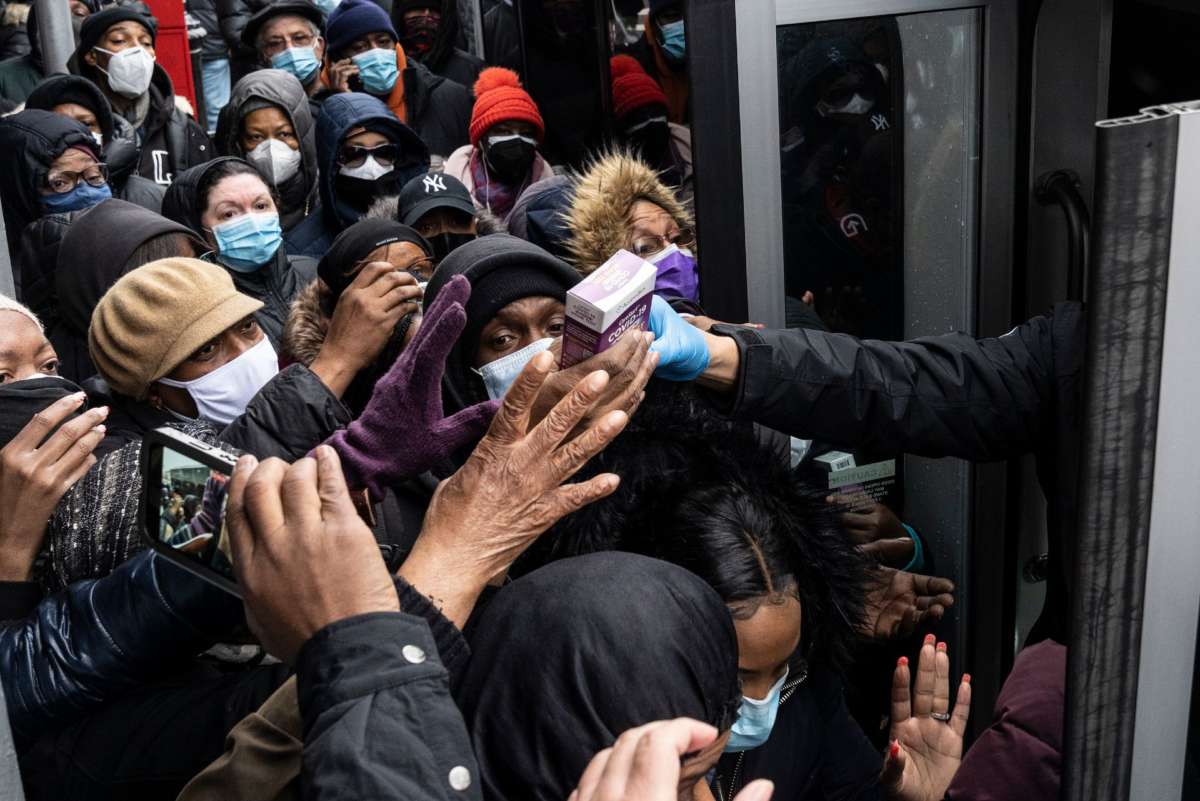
[(62, 182), (355, 156), (650, 244), (282, 42)]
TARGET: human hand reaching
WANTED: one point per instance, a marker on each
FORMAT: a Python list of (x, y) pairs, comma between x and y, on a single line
[(875, 529), (926, 738), (898, 602), (682, 348), (511, 489), (294, 526), (36, 469), (644, 765)]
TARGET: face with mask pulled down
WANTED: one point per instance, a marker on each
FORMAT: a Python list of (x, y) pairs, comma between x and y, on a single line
[(125, 56), (518, 332), (768, 632), (219, 379), (241, 223)]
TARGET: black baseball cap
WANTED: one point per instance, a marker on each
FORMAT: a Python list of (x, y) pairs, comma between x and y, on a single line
[(295, 8), (434, 190)]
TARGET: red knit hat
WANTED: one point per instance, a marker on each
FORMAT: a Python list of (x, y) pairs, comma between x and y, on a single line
[(500, 98), (632, 88)]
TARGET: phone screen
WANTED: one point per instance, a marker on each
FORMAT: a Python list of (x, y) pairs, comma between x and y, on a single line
[(187, 513)]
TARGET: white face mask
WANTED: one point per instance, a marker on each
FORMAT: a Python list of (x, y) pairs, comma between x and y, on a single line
[(275, 161), (499, 375), (224, 394), (129, 71), (369, 170), (99, 138)]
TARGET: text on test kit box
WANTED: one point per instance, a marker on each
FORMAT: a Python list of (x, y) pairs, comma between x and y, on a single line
[(600, 308)]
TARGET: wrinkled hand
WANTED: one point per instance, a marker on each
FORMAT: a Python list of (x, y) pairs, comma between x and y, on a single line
[(510, 490), (363, 321), (629, 365), (875, 529), (925, 752), (644, 765), (402, 432), (34, 475), (340, 74), (302, 556), (898, 602), (682, 348)]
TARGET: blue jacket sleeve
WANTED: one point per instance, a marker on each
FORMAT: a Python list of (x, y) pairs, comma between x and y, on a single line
[(98, 638)]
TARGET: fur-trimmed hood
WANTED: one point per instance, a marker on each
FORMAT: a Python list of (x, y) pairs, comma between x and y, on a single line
[(603, 195), (307, 324)]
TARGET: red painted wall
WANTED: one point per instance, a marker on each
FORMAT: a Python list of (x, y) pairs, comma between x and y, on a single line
[(171, 46)]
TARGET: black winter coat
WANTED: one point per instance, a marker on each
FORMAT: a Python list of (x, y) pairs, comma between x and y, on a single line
[(232, 16), (951, 395), (358, 687), (816, 751), (212, 46)]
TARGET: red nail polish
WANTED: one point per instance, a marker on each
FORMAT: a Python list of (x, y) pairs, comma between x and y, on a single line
[(902, 661), (929, 639), (941, 646), (895, 748)]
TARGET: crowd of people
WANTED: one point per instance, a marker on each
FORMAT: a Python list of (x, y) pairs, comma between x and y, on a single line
[(462, 570)]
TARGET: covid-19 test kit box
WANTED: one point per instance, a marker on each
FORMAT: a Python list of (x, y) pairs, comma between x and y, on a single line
[(602, 307)]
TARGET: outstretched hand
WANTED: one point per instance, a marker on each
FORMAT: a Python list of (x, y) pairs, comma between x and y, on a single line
[(898, 602), (403, 431), (927, 738), (511, 489)]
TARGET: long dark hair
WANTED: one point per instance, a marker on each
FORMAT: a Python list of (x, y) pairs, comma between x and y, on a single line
[(710, 496)]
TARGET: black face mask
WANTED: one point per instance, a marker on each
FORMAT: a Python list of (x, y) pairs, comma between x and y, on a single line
[(443, 244), (420, 35), (509, 161), (654, 143), (21, 400), (359, 192)]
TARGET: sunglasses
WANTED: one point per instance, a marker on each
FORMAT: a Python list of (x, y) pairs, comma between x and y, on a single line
[(355, 156)]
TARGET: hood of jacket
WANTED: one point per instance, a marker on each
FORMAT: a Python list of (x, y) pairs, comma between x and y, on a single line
[(32, 140), (180, 202), (447, 35), (602, 197), (120, 152), (307, 324), (343, 112), (280, 89)]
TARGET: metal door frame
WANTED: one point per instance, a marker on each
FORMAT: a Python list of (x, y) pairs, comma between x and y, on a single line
[(739, 213)]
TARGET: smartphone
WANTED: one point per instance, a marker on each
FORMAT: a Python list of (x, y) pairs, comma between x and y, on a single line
[(184, 501), (185, 496)]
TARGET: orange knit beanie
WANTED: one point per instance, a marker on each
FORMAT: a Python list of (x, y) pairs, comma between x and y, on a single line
[(499, 97)]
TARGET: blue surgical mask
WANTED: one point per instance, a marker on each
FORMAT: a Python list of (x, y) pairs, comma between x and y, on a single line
[(300, 61), (327, 6), (755, 720), (499, 375), (83, 196), (377, 70), (248, 242), (674, 41)]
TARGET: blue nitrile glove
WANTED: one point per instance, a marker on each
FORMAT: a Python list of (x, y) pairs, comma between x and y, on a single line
[(682, 351)]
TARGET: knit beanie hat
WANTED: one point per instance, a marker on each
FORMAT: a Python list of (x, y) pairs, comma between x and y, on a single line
[(94, 26), (8, 304), (500, 98), (354, 19), (156, 316), (632, 88)]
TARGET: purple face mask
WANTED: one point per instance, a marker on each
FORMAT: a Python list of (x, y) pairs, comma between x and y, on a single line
[(677, 275)]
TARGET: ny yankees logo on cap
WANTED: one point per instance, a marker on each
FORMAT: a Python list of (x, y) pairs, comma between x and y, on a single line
[(434, 183)]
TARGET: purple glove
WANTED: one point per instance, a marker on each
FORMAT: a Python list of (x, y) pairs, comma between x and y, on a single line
[(402, 432)]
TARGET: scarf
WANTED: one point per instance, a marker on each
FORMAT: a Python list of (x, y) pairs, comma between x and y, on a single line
[(496, 197)]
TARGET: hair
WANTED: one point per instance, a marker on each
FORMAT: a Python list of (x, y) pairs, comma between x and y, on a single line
[(709, 496), (225, 169), (261, 37), (162, 246)]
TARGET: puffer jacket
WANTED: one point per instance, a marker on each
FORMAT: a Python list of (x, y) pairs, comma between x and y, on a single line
[(212, 46), (119, 150), (275, 283), (87, 644), (168, 141), (340, 113), (297, 195), (951, 395)]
